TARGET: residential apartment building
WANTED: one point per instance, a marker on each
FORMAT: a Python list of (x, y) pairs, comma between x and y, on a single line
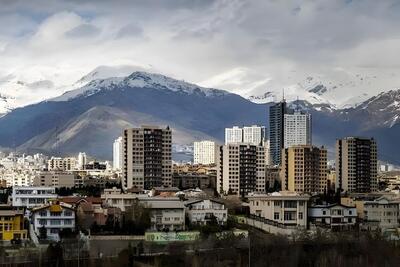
[(203, 211), (82, 160), (147, 157), (12, 224), (117, 153), (62, 164), (241, 169), (166, 214), (57, 179), (191, 180), (304, 169), (382, 213), (53, 217), (113, 197), (356, 165), (204, 152), (333, 216), (254, 135), (233, 135), (297, 129), (281, 208), (31, 196)]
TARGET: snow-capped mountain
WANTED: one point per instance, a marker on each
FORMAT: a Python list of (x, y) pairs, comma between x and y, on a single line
[(338, 88), (138, 79), (34, 84)]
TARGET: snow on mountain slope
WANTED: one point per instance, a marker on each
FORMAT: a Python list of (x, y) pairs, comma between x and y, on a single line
[(339, 88), (138, 80)]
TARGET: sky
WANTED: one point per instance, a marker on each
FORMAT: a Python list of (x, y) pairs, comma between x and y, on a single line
[(242, 46)]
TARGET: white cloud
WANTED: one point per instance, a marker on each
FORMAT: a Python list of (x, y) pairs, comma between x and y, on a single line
[(246, 46)]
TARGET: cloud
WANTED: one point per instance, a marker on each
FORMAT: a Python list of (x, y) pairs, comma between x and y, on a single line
[(130, 31), (247, 42), (83, 30)]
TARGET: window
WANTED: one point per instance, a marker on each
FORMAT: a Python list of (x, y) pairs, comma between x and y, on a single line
[(67, 213), (276, 216), (277, 203), (42, 222), (290, 204), (289, 215), (43, 213), (324, 212), (300, 216)]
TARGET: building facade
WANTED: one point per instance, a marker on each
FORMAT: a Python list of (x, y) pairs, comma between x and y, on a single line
[(297, 129), (12, 224), (281, 208), (335, 216), (304, 169), (205, 211), (204, 152), (53, 218), (276, 131), (30, 197), (57, 179), (147, 157), (233, 135), (117, 153), (356, 165), (241, 169), (382, 213)]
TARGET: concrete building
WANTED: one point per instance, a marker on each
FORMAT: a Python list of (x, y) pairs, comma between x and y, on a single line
[(233, 135), (113, 197), (241, 169), (30, 197), (191, 180), (254, 135), (62, 164), (202, 211), (147, 157), (297, 129), (53, 217), (117, 154), (280, 208), (334, 216), (57, 179), (382, 213), (356, 165), (304, 169), (82, 160), (204, 152), (12, 224), (165, 213)]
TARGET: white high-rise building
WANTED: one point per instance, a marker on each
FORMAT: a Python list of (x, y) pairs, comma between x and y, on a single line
[(254, 135), (233, 135), (117, 154), (297, 129), (82, 160), (204, 152)]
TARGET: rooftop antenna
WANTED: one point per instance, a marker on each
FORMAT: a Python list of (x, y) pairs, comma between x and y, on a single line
[(297, 104), (283, 95)]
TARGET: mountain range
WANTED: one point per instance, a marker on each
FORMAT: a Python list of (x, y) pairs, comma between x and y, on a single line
[(89, 117)]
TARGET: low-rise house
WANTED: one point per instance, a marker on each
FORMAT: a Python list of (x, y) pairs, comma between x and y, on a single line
[(382, 213), (167, 214), (333, 216), (113, 197), (281, 209), (12, 224), (204, 211), (29, 197), (50, 219)]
